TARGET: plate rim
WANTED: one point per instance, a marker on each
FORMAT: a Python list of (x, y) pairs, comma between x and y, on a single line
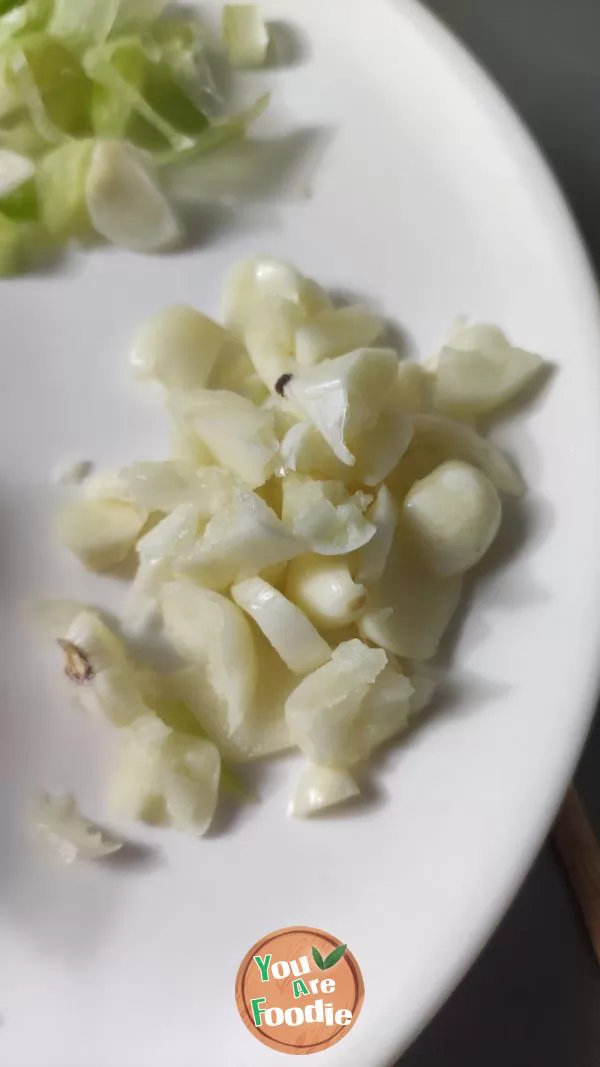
[(445, 41)]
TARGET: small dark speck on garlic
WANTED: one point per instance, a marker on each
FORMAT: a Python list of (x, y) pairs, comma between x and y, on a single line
[(281, 383), (77, 666)]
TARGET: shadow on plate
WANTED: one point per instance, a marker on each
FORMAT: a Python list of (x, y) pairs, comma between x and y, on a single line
[(289, 46)]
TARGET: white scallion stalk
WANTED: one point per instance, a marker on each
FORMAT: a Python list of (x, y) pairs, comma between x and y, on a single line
[(245, 35), (293, 637), (124, 201)]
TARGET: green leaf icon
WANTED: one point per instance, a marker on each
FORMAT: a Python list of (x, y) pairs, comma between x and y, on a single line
[(333, 957), (317, 957)]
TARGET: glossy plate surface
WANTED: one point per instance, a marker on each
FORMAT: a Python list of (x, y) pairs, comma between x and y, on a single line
[(432, 202)]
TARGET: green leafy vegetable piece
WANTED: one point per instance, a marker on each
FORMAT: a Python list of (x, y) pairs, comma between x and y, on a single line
[(52, 85), (137, 14), (220, 133), (21, 136), (111, 106), (61, 188), (22, 205), (18, 19), (95, 20), (10, 246), (75, 70), (181, 45), (334, 957), (84, 19), (170, 100), (317, 957), (125, 70)]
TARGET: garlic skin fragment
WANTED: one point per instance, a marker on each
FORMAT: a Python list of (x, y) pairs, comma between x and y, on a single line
[(57, 820), (103, 675)]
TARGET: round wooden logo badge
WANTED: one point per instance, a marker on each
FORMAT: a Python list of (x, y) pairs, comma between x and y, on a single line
[(299, 990)]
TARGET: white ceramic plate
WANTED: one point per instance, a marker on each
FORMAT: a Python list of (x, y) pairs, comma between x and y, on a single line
[(433, 201)]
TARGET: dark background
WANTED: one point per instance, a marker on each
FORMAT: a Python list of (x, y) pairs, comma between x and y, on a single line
[(533, 997)]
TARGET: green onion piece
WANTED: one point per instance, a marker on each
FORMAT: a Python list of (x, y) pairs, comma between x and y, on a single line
[(245, 35)]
